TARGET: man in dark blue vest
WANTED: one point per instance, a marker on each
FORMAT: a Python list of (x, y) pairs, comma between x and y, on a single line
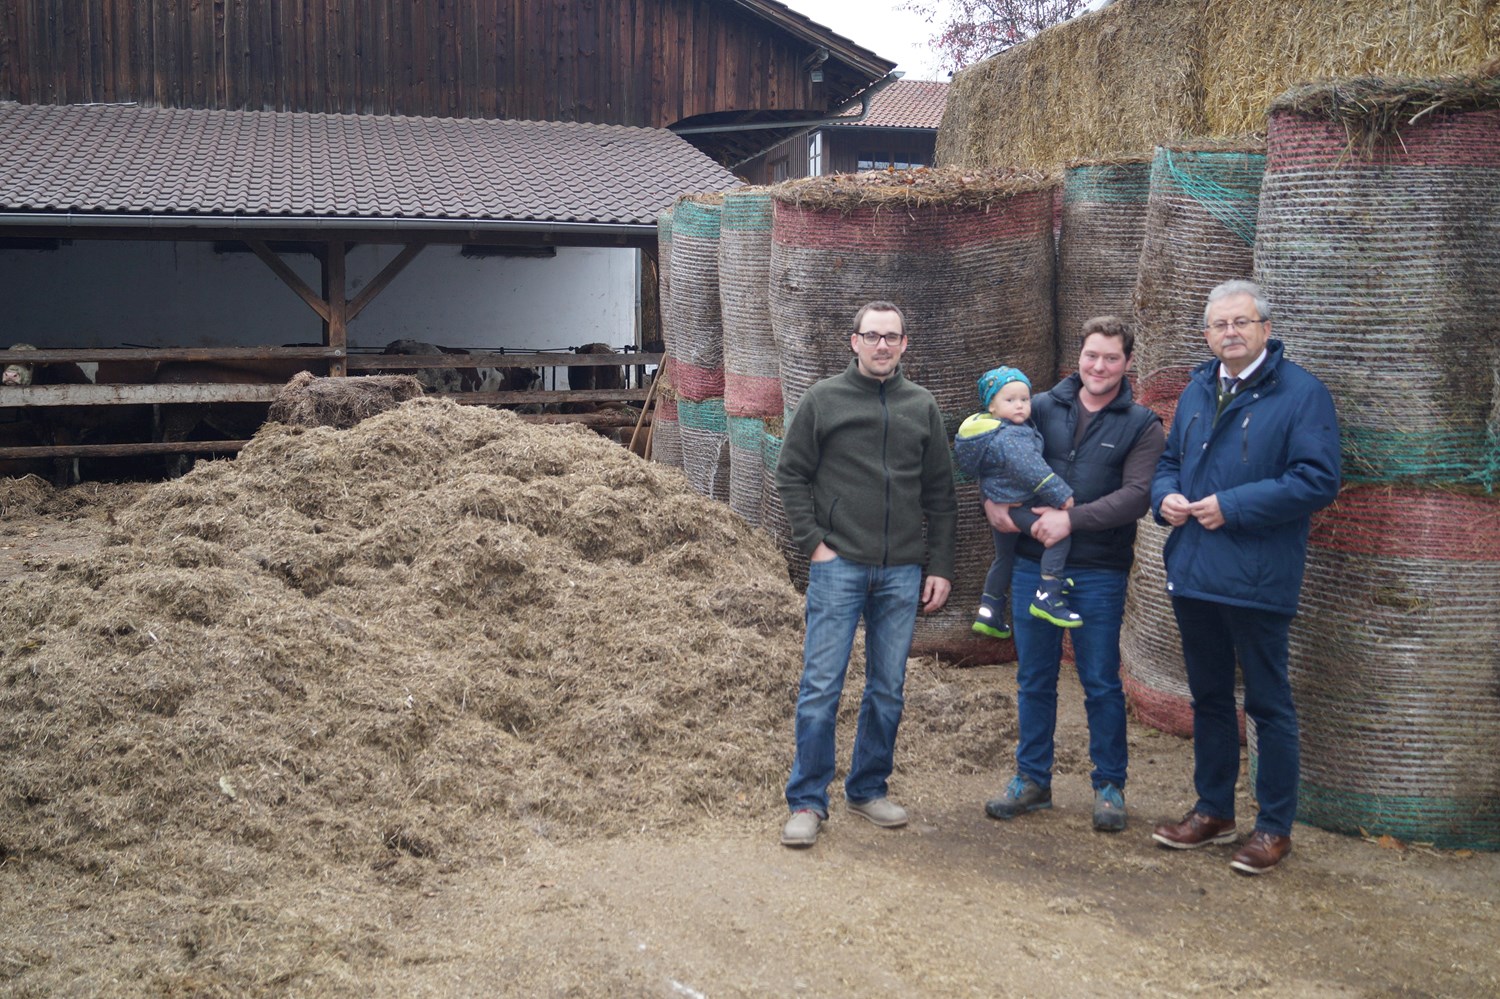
[(1105, 445)]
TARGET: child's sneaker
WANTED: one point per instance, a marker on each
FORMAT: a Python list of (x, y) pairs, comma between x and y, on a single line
[(1050, 605), (990, 624)]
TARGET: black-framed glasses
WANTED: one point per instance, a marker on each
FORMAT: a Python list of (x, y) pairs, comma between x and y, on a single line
[(1240, 325), (891, 339)]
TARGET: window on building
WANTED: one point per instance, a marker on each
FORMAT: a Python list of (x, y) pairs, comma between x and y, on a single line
[(780, 169), (815, 155), (899, 159)]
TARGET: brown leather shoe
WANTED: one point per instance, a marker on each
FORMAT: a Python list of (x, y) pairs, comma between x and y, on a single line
[(1195, 830), (1261, 852)]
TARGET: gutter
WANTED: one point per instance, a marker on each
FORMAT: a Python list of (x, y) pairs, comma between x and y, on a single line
[(71, 220), (864, 99)]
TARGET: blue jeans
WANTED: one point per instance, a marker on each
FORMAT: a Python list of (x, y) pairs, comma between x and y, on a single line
[(1098, 595), (839, 593), (1214, 635)]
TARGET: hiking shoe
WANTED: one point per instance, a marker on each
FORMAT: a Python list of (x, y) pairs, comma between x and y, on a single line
[(1109, 809), (1195, 830), (1050, 605), (802, 828), (991, 624), (1020, 796), (884, 812)]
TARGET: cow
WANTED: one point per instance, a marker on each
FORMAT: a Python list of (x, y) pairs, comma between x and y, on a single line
[(23, 374), (66, 426), (452, 380), (604, 376)]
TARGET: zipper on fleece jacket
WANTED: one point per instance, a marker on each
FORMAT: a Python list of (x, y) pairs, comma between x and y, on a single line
[(885, 470)]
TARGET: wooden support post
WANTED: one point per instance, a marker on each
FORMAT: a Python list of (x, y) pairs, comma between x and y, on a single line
[(336, 329)]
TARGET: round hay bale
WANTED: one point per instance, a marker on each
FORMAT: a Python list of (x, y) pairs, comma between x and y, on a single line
[(752, 373), (1099, 247), (705, 446), (1379, 246), (969, 258), (747, 469), (664, 275), (697, 327), (1151, 667), (1396, 671), (1200, 230), (773, 514), (666, 433)]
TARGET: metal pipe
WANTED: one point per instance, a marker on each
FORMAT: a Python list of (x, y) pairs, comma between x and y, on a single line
[(337, 222)]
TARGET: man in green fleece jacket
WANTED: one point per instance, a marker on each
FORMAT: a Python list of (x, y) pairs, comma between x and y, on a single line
[(864, 463)]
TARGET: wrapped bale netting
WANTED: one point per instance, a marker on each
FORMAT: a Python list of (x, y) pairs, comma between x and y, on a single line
[(1151, 667), (705, 446), (696, 337), (664, 271), (1200, 230), (1099, 248), (1396, 669), (666, 433), (747, 468), (773, 514), (752, 372), (969, 258), (1379, 246)]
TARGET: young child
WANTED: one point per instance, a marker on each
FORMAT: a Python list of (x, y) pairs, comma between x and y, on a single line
[(1004, 452)]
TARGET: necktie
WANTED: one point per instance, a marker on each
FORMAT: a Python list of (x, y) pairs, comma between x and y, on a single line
[(1231, 384)]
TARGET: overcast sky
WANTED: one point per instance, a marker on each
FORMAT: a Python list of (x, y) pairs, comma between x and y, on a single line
[(881, 26)]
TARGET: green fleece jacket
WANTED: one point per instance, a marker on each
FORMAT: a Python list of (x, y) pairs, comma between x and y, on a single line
[(863, 464)]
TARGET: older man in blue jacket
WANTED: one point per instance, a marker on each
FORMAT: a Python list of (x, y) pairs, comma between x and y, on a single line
[(1252, 453)]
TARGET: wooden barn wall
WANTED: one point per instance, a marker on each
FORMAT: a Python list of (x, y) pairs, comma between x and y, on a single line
[(629, 62)]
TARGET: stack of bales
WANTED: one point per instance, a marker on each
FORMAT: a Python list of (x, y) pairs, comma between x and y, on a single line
[(969, 258), (666, 433), (695, 344), (752, 378), (1199, 231), (1379, 247), (1099, 246)]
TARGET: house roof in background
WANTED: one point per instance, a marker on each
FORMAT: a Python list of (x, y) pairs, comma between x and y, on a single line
[(104, 161), (905, 104)]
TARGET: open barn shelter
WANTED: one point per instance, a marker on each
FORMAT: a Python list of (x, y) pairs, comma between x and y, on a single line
[(250, 184)]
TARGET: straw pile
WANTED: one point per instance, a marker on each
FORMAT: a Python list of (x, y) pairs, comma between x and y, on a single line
[(968, 256), (351, 661), (1145, 72), (1099, 249)]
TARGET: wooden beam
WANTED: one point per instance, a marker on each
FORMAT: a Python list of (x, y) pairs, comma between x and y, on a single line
[(119, 450), (289, 277), (145, 395), (477, 359), (336, 330), (385, 277)]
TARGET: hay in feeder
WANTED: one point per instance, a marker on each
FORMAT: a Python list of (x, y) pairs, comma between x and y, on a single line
[(309, 401), (752, 374)]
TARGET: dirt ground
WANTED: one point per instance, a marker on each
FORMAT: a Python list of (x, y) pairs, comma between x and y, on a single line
[(703, 901)]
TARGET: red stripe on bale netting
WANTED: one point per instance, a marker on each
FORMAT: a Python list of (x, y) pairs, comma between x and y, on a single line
[(1299, 142), (697, 383), (1411, 523), (666, 408), (889, 229), (747, 395), (1160, 391)]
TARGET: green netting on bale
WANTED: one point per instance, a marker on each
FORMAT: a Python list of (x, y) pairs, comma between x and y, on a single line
[(746, 211), (747, 469), (696, 324), (1196, 237), (1395, 666), (706, 414), (705, 446), (1384, 278), (664, 274), (1099, 248)]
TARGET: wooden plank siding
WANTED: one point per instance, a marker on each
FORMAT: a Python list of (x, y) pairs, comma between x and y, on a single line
[(632, 62)]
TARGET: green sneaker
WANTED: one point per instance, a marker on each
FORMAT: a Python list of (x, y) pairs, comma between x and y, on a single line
[(1050, 605), (991, 624), (1020, 796)]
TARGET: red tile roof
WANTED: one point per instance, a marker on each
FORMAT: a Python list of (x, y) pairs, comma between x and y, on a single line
[(907, 104), (113, 159)]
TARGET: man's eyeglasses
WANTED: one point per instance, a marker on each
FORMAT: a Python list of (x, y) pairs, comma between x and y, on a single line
[(1240, 325), (891, 339)]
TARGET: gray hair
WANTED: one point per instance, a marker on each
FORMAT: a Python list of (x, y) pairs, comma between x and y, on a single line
[(1239, 287)]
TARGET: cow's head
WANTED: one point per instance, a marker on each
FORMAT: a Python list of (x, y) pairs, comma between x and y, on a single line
[(18, 375)]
